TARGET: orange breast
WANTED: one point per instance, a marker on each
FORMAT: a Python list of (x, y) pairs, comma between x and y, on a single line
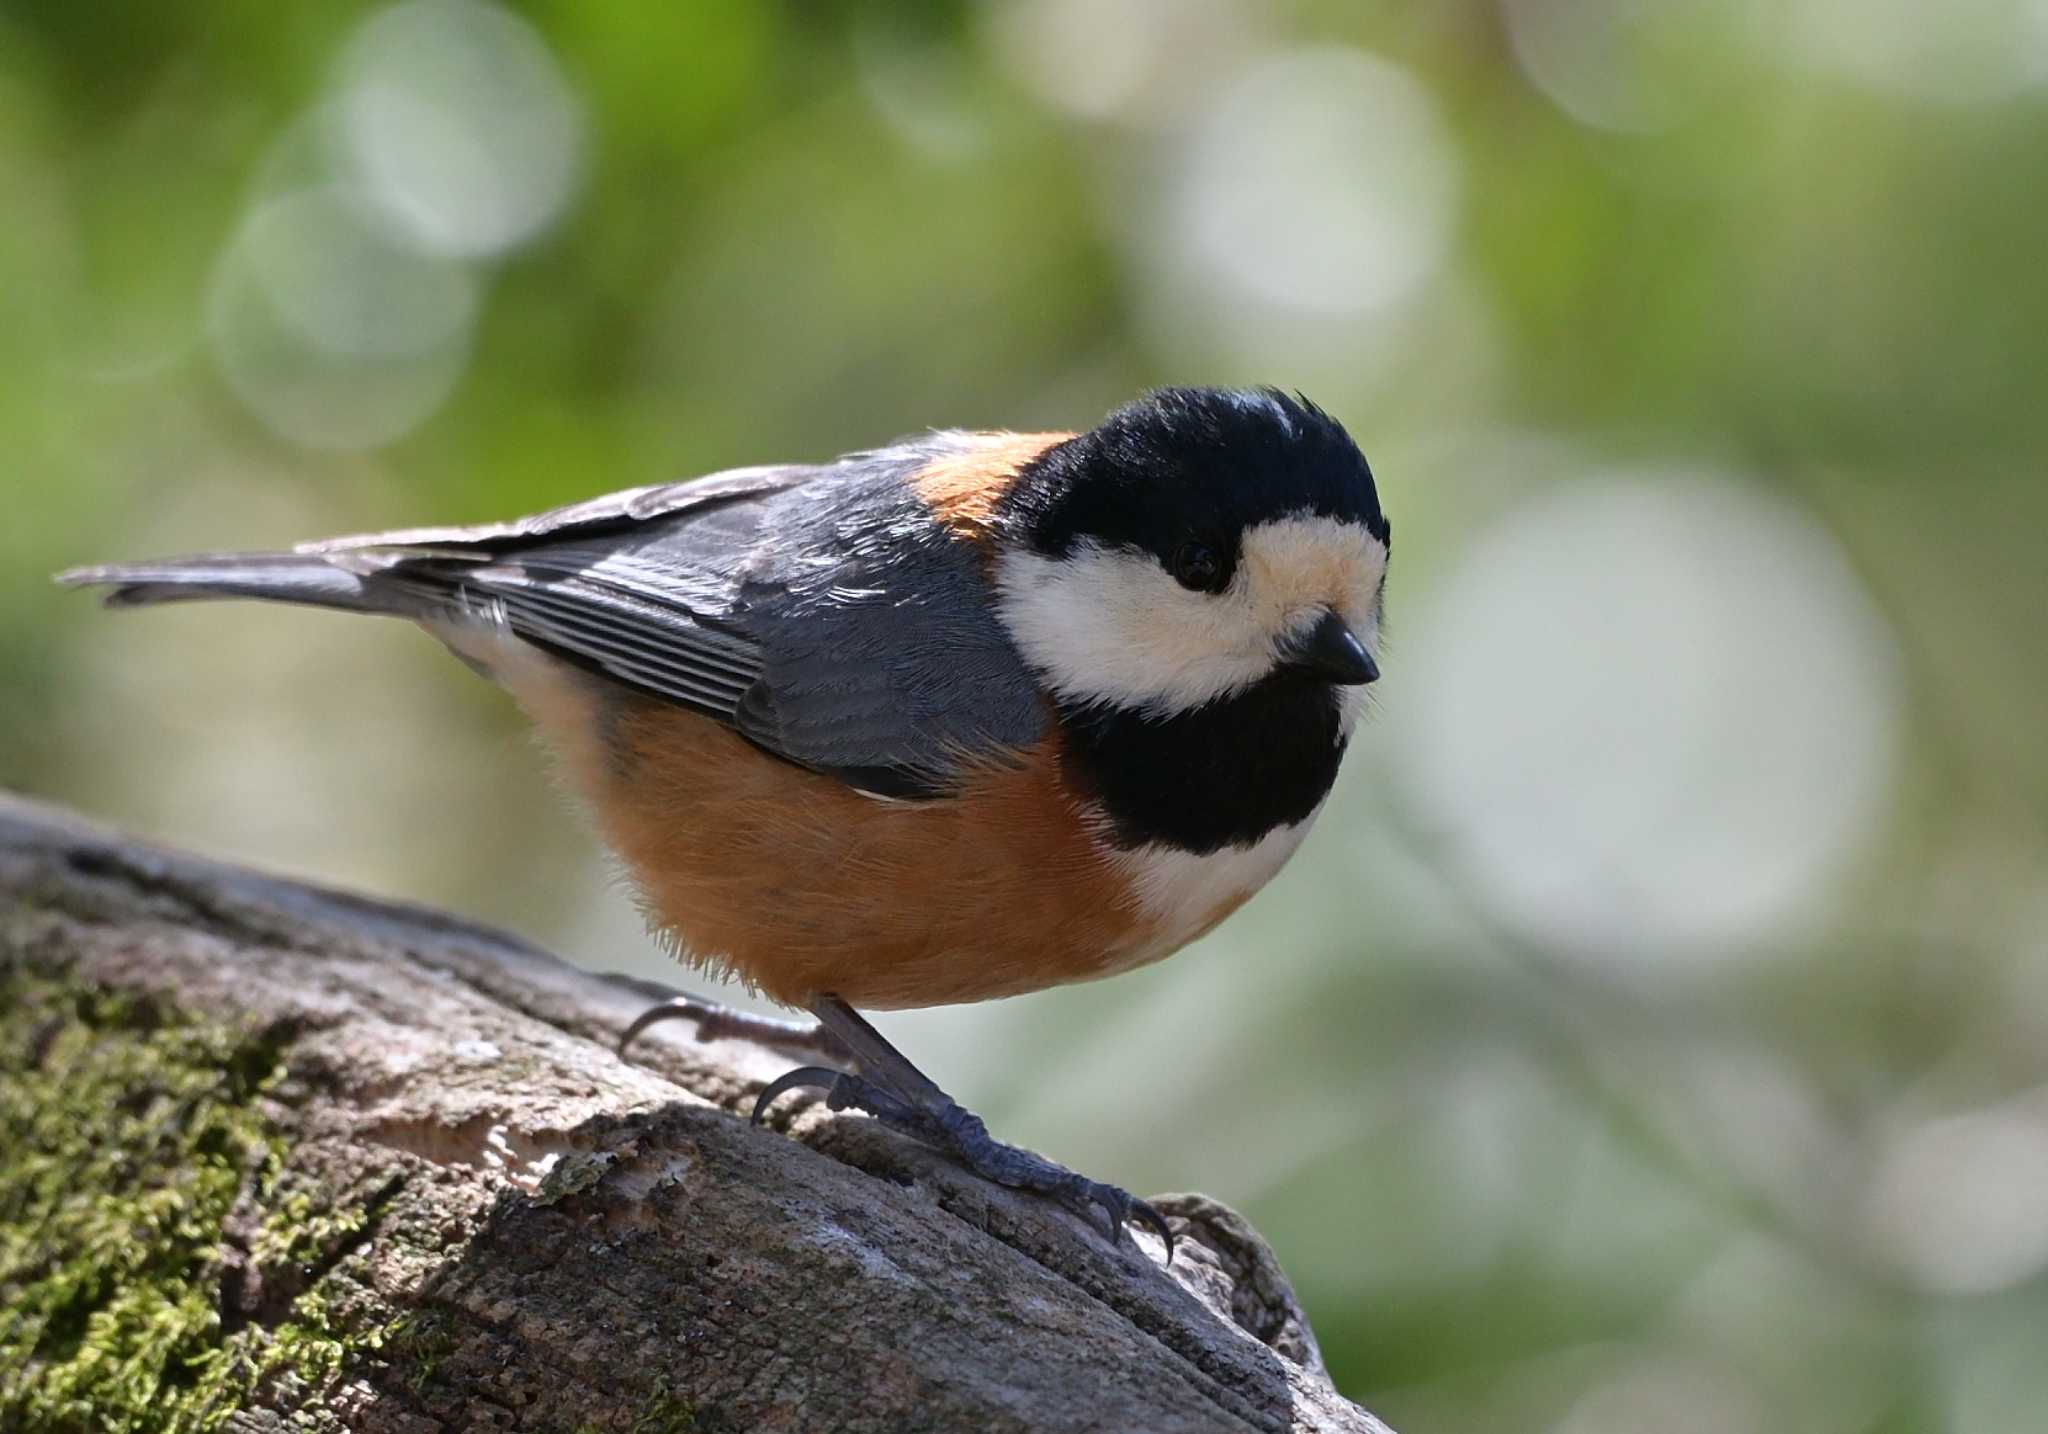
[(803, 886)]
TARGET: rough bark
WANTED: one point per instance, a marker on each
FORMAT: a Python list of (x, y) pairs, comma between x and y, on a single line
[(282, 1157)]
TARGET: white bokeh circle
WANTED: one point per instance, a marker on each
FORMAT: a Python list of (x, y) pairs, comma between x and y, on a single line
[(329, 332), (1320, 180), (1648, 715), (458, 125)]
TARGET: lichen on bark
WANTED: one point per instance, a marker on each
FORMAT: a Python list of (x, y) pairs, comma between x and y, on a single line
[(133, 1132)]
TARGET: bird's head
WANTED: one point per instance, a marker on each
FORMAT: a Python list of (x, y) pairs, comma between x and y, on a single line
[(1196, 544)]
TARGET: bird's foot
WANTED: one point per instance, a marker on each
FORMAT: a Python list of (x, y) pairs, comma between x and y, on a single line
[(721, 1023), (945, 1126), (897, 1094)]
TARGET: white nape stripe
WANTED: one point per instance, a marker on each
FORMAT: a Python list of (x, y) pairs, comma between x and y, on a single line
[(1111, 625)]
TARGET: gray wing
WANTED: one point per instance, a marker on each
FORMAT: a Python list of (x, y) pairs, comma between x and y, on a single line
[(607, 512), (818, 611)]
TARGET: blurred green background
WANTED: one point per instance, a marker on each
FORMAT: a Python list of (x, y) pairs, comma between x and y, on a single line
[(1655, 1034)]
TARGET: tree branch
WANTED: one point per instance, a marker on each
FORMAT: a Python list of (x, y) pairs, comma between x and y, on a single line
[(277, 1156)]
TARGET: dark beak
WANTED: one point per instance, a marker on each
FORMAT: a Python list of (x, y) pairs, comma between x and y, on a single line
[(1332, 652)]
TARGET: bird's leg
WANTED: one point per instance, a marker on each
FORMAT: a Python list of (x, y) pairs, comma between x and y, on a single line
[(717, 1023), (902, 1097), (895, 1092)]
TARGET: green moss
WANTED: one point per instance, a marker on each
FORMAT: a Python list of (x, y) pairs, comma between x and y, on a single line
[(127, 1133), (666, 1413), (419, 1341), (572, 1175)]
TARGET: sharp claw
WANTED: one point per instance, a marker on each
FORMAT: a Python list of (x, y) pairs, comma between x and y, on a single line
[(1108, 1197), (1143, 1213), (816, 1077), (716, 1022), (677, 1008), (1122, 1208)]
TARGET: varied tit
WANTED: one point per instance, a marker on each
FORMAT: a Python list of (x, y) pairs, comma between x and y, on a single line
[(967, 716)]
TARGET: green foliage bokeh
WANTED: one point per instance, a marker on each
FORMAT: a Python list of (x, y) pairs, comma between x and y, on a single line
[(1511, 1198)]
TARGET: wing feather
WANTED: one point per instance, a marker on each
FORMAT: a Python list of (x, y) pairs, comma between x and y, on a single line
[(821, 612), (611, 510), (664, 655)]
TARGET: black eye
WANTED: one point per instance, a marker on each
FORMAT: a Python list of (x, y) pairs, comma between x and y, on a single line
[(1195, 565)]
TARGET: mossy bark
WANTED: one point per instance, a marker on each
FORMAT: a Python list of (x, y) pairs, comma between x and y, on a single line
[(272, 1157)]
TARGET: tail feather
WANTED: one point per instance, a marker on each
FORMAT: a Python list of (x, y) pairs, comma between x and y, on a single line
[(273, 577)]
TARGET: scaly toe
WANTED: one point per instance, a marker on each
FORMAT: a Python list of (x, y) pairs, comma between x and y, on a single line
[(962, 1135), (1119, 1207)]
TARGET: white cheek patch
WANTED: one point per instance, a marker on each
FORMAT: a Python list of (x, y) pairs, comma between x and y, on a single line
[(1106, 625), (1110, 625)]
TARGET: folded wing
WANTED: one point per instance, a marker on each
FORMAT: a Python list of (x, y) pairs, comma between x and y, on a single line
[(818, 611)]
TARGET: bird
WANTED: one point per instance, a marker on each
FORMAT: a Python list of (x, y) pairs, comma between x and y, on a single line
[(969, 715)]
